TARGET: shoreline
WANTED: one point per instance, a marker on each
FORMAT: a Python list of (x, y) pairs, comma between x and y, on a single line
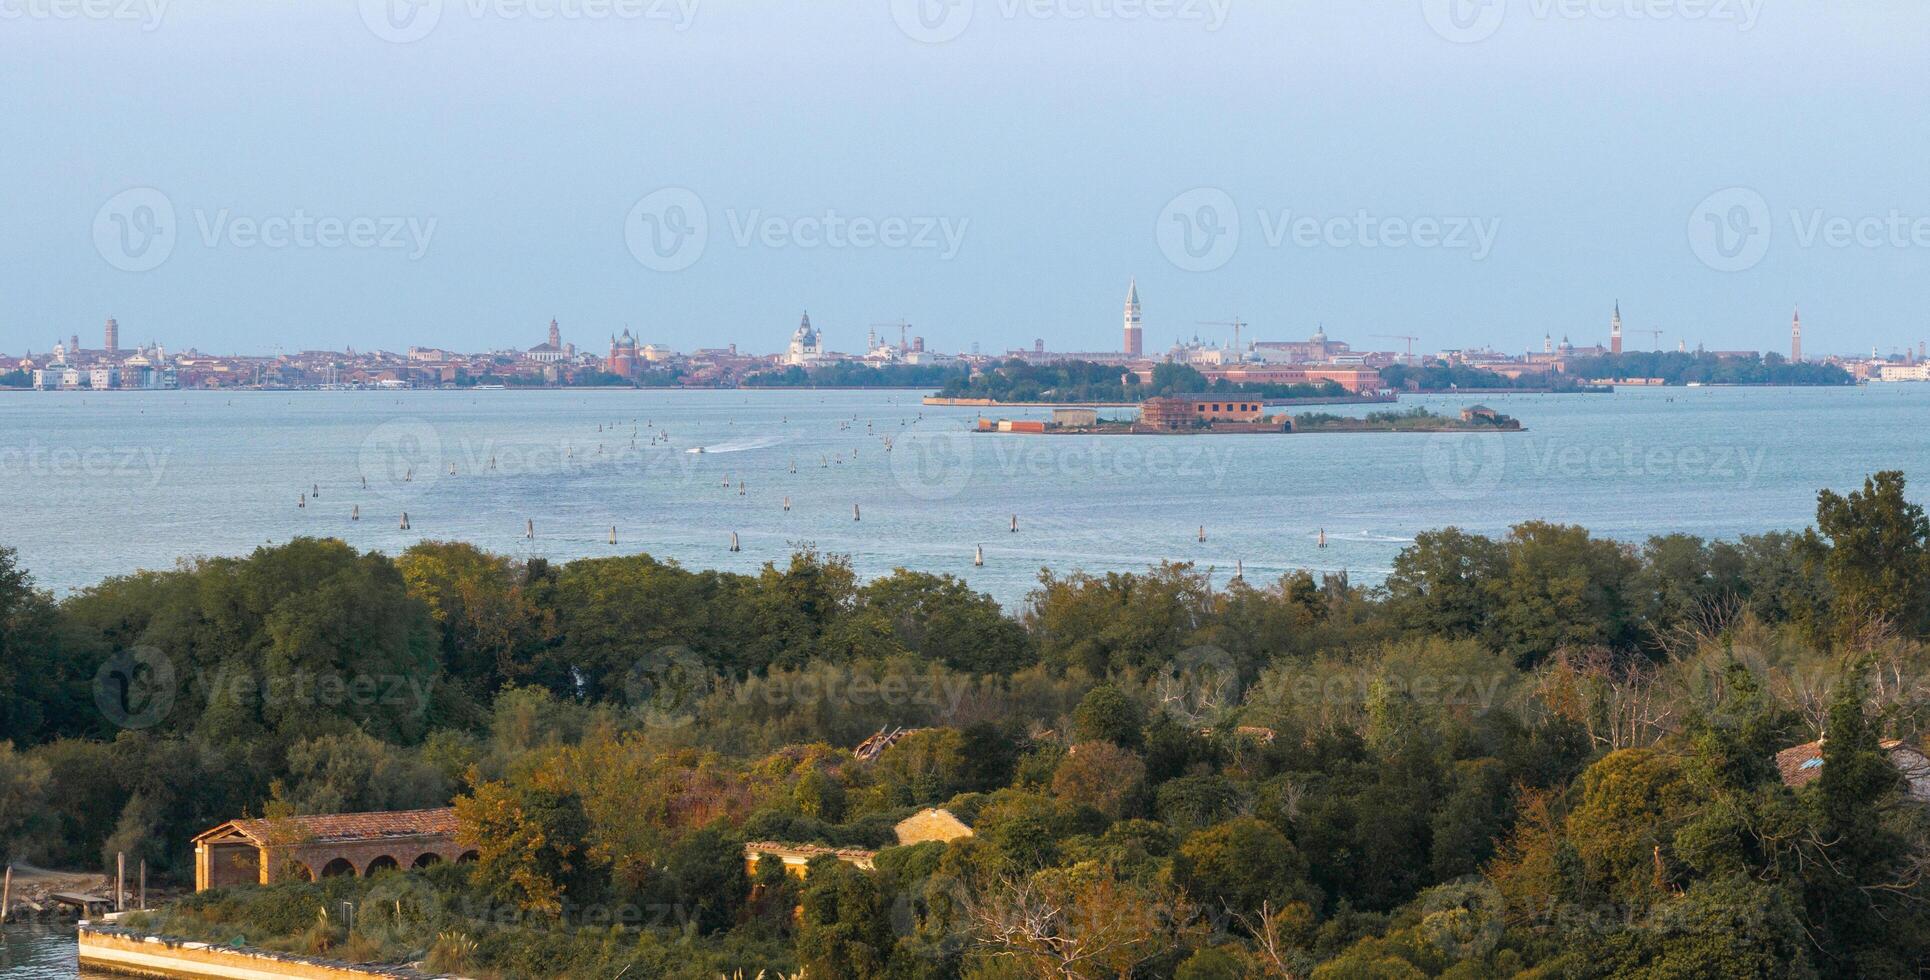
[(944, 402)]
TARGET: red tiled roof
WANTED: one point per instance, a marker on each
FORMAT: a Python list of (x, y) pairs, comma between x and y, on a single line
[(335, 828)]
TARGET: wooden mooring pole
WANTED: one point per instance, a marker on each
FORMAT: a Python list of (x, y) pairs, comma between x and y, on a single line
[(120, 880)]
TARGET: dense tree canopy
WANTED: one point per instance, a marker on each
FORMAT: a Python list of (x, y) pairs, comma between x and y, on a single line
[(1543, 754)]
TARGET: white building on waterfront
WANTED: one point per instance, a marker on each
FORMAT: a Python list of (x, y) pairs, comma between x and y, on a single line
[(807, 345)]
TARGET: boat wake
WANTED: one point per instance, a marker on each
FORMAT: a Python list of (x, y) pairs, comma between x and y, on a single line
[(739, 445)]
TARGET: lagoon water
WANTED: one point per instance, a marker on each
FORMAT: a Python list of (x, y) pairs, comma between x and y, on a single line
[(101, 484), (32, 952)]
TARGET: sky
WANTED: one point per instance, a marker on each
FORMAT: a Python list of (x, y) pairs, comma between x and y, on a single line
[(252, 175)]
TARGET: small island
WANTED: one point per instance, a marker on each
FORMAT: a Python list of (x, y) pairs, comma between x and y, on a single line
[(1474, 418), (1217, 414), (1088, 383)]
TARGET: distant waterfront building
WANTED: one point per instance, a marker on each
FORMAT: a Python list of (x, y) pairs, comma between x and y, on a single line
[(1317, 348), (625, 356), (1135, 336), (1615, 330), (807, 345), (1181, 412), (1796, 337), (553, 351), (113, 339)]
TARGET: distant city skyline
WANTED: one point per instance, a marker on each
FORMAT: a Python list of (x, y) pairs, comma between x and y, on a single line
[(1131, 340), (233, 178)]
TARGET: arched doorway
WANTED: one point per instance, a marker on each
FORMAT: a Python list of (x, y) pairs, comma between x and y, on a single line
[(426, 860), (467, 856), (383, 863), (337, 868)]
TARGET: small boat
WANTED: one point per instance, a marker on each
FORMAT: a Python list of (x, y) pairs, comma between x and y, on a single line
[(787, 503), (1202, 532), (529, 529), (405, 521), (854, 513), (316, 491), (1239, 570), (613, 534), (1015, 523), (301, 502), (733, 542), (355, 512), (1323, 537), (978, 557)]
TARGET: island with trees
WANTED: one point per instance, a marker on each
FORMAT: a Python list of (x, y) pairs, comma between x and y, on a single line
[(1707, 368), (1539, 754), (1087, 383)]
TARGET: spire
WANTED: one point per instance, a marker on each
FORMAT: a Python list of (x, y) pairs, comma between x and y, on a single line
[(1132, 292)]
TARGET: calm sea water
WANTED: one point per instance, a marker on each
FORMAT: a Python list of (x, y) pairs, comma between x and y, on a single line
[(93, 485), (41, 953)]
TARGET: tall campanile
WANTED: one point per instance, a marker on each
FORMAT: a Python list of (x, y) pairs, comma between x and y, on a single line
[(1796, 337), (113, 337), (1615, 330), (1135, 337)]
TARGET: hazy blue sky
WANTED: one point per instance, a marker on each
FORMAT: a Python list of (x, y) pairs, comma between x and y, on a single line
[(1706, 162)]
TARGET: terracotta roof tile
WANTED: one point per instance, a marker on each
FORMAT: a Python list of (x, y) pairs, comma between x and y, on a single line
[(335, 828)]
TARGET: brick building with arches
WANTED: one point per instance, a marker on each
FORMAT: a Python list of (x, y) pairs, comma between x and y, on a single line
[(262, 851)]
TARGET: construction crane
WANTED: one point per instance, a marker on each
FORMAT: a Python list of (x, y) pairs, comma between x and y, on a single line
[(1236, 323), (904, 331), (1654, 335), (1400, 336)]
